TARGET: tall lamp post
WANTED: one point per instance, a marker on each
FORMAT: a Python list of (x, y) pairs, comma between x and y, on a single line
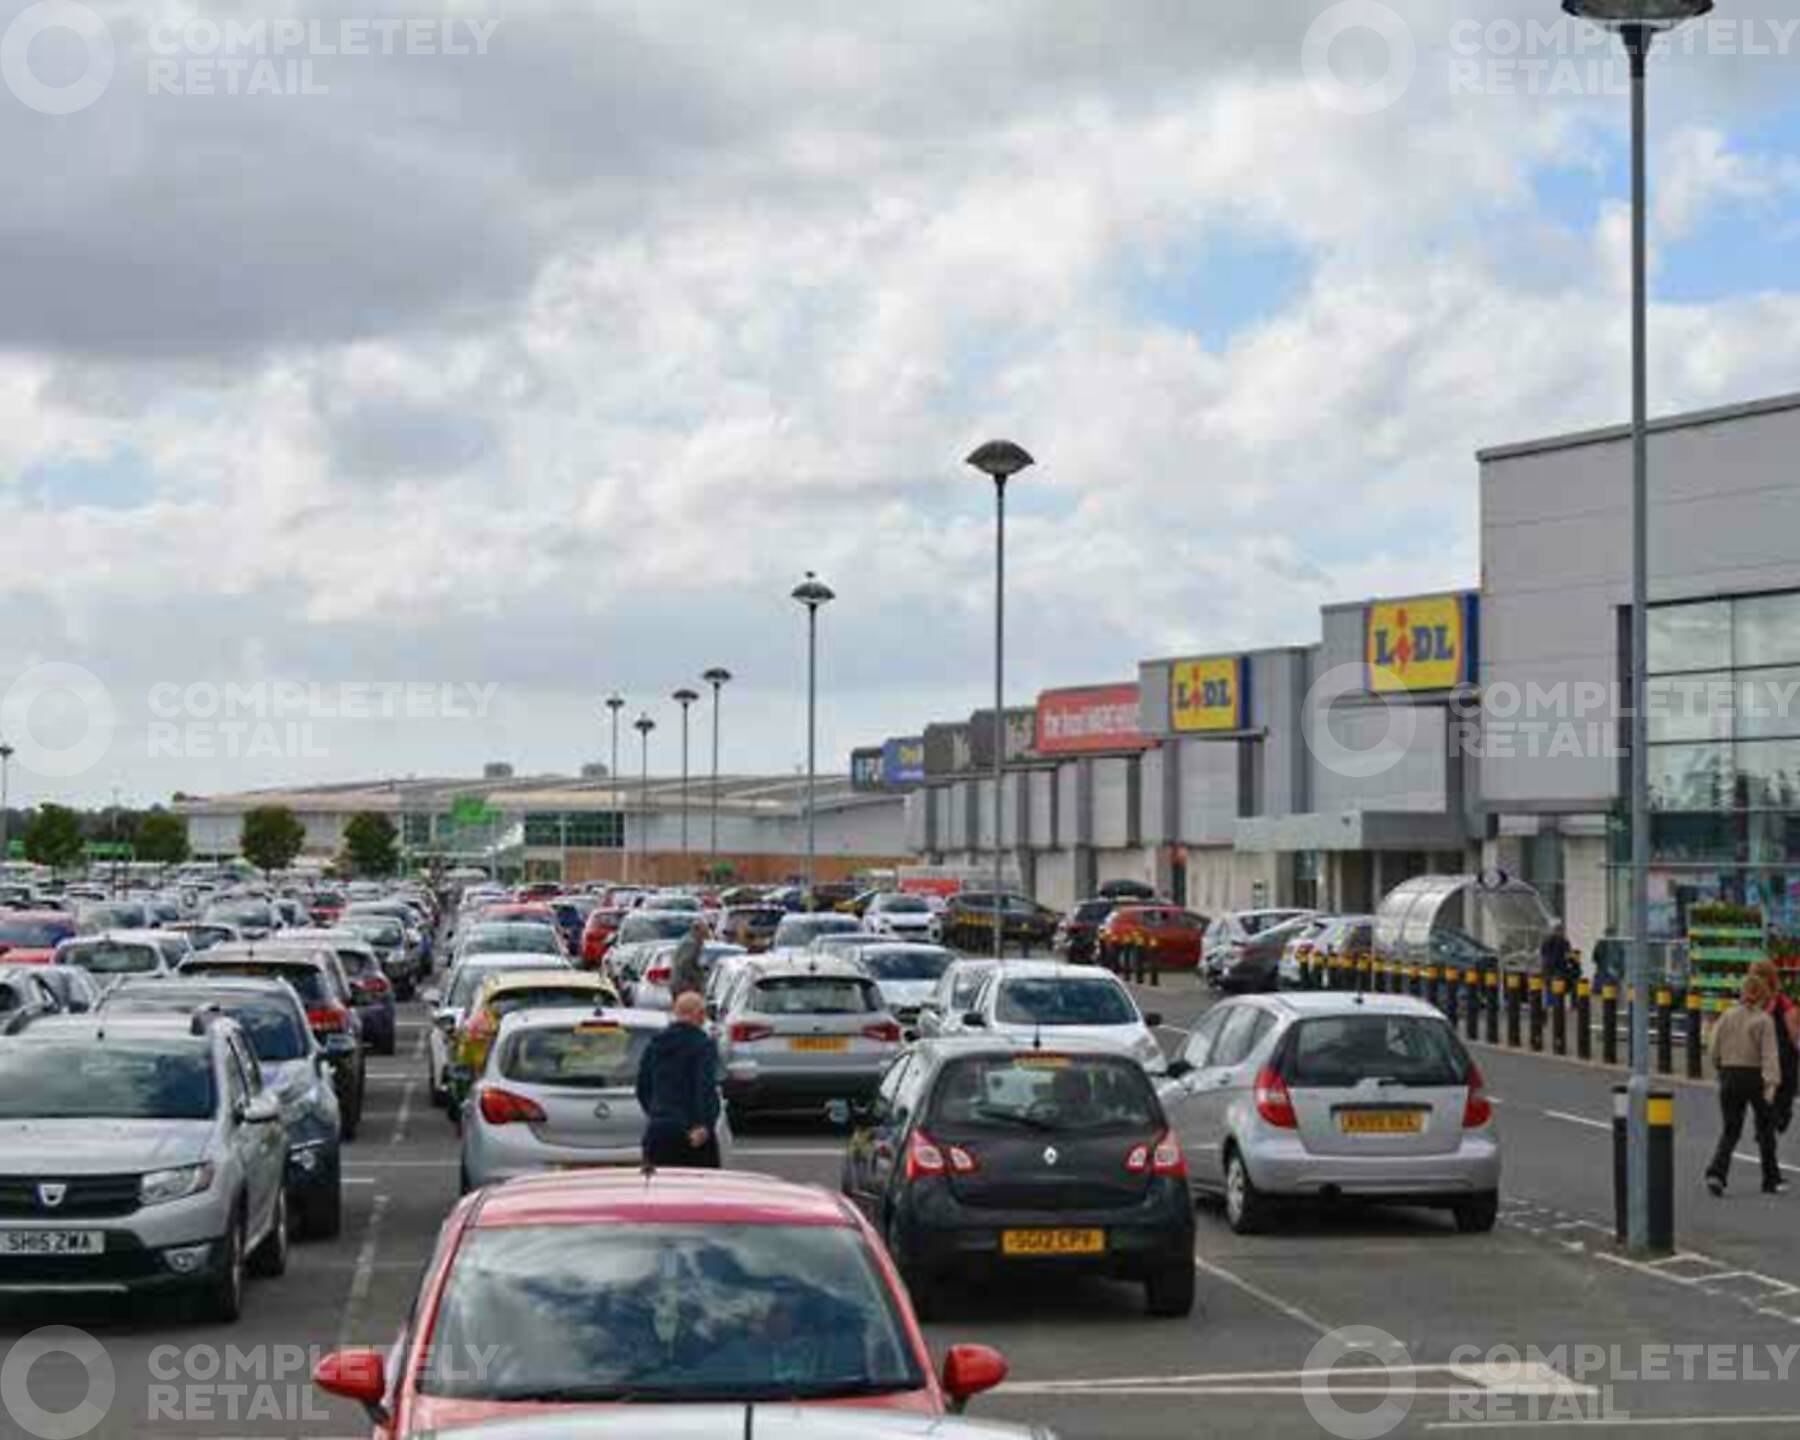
[(615, 703), (814, 594), (6, 754), (718, 677), (644, 725), (999, 460), (1638, 22), (684, 697)]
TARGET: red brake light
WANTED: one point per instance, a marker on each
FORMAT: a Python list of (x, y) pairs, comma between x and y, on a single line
[(888, 1033), (1273, 1102), (924, 1156), (743, 1031), (1161, 1157), (1478, 1110), (332, 1020), (658, 975), (502, 1107)]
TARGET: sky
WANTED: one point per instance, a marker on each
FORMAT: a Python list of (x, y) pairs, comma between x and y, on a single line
[(540, 358)]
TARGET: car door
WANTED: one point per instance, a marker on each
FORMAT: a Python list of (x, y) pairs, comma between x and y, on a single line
[(1225, 1077), (873, 1145), (270, 1156), (1181, 1096), (244, 1140)]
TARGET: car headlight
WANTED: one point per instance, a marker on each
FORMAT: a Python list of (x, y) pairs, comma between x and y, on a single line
[(159, 1187)]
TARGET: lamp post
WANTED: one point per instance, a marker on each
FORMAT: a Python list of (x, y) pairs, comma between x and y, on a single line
[(615, 703), (6, 754), (814, 594), (684, 697), (1638, 22), (999, 460), (718, 677), (644, 725)]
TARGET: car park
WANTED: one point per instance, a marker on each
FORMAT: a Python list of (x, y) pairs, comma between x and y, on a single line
[(179, 1187), (109, 955), (507, 991), (901, 916), (450, 1008), (1033, 999), (1330, 1096), (30, 937), (1150, 937), (907, 974), (981, 1155), (727, 1260)]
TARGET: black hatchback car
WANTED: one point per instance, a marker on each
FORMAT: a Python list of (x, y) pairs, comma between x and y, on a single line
[(979, 1154)]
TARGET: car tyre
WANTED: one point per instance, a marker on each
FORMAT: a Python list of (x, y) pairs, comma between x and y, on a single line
[(1477, 1216), (1244, 1206), (222, 1295), (322, 1212), (271, 1257), (1170, 1295), (390, 1042), (920, 1285)]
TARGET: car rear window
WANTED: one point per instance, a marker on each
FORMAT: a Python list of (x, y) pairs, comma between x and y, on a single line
[(308, 980), (1339, 1051), (907, 964), (600, 1055), (815, 995), (1048, 1092), (357, 963), (104, 957), (543, 997), (1058, 1000)]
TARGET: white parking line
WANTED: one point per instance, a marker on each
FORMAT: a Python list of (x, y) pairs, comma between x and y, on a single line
[(1579, 1120), (1256, 1292), (404, 1113), (364, 1276)]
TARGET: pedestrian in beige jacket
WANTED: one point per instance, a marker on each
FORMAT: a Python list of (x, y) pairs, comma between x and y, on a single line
[(1744, 1053)]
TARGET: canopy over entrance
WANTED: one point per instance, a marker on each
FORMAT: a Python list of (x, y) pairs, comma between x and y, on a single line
[(1468, 921)]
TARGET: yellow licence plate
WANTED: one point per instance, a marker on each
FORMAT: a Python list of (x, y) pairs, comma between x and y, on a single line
[(1381, 1122), (820, 1044), (1052, 1242)]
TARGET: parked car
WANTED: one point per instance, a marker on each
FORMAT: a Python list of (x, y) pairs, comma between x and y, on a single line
[(982, 1155), (794, 1422), (30, 937), (1329, 1096), (109, 955), (252, 918), (506, 991), (1063, 1004), (798, 929), (1151, 937), (450, 1008), (1229, 933), (76, 991), (902, 916), (597, 933), (967, 921), (1076, 933), (907, 975), (651, 981), (941, 1012), (1322, 940), (94, 917), (752, 926), (25, 995), (371, 991)]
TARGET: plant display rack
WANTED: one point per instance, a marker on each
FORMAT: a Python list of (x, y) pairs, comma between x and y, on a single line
[(1724, 941)]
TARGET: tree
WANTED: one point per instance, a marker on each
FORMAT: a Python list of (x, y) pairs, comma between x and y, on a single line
[(371, 845), (162, 838), (272, 837), (53, 837)]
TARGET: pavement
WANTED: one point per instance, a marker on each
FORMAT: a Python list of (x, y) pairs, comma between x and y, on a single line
[(1541, 1326)]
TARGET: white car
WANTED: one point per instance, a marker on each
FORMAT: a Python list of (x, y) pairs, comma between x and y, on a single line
[(905, 917), (1025, 999), (113, 954), (907, 974)]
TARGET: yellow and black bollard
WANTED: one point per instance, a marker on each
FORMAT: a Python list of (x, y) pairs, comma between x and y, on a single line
[(1584, 1020), (1559, 1016), (1452, 982), (1696, 1024), (1535, 984), (1609, 1023), (1660, 1111), (1665, 1031), (1493, 1007), (1476, 999), (1514, 985)]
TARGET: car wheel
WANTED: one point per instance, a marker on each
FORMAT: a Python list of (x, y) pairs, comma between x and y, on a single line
[(922, 1287), (1170, 1295), (271, 1257), (1244, 1205), (390, 1042), (322, 1212), (222, 1296), (1478, 1216)]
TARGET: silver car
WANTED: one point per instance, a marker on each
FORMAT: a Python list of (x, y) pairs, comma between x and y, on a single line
[(802, 1032), (799, 930), (650, 985), (941, 1013), (908, 975), (559, 1092), (1324, 1095), (450, 1008), (139, 1153), (1022, 999), (110, 955)]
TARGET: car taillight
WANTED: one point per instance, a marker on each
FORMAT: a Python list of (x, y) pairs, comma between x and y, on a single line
[(482, 1025), (658, 975), (376, 985), (502, 1107), (743, 1031), (333, 1021), (888, 1033), (1478, 1110), (924, 1157), (1273, 1102), (1161, 1157)]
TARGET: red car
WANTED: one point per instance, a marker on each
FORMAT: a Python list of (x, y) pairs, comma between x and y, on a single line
[(600, 1288), (30, 937), (1167, 937), (597, 934)]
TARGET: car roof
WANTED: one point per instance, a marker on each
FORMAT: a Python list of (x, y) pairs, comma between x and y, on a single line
[(551, 1017), (96, 1029), (254, 952), (507, 977), (808, 962), (1052, 970), (141, 935), (889, 943), (715, 1197), (1053, 1043), (191, 981), (38, 915), (1311, 1003)]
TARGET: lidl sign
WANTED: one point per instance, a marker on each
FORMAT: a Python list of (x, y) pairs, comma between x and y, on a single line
[(1209, 695), (1420, 644)]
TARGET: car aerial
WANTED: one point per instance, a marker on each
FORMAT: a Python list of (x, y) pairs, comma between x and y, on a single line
[(138, 1153), (902, 916), (981, 1154), (1063, 1004), (253, 918), (752, 926), (907, 975), (801, 1032), (1327, 1096), (505, 991), (509, 937), (76, 991), (450, 1007), (692, 1286), (652, 978), (798, 930), (30, 937), (295, 1069), (1076, 932), (371, 991), (1229, 932), (1151, 937), (967, 921), (319, 981), (25, 995), (558, 1091), (1254, 964), (942, 1011), (111, 954)]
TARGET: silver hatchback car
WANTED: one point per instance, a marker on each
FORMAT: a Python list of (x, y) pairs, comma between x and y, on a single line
[(1324, 1095)]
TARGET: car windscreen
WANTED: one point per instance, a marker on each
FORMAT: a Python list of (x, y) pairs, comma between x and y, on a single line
[(906, 964), (599, 1056), (1063, 1000), (376, 929), (1088, 1093), (117, 1080), (308, 980), (638, 928), (651, 1312), (511, 940), (123, 916), (1340, 1051), (108, 957), (274, 1029), (35, 934), (815, 995), (242, 912)]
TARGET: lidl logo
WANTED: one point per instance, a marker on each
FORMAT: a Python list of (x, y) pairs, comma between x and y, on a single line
[(1207, 694), (1423, 644)]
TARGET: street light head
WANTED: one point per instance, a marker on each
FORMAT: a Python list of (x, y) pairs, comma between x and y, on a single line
[(717, 676), (1643, 14), (615, 703), (1000, 460), (684, 697), (814, 592), (643, 725)]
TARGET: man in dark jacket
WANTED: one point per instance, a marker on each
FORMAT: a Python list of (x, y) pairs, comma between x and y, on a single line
[(678, 1088)]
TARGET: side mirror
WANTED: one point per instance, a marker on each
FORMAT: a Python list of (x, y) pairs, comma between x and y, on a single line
[(263, 1110), (359, 1375), (975, 1020), (1177, 1069), (968, 1371), (1153, 1019)]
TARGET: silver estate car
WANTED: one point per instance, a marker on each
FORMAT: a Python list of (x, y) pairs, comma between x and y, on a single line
[(139, 1153), (559, 1092), (1323, 1095), (799, 1032)]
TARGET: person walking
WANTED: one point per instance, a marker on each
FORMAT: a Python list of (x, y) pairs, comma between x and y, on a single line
[(1554, 957), (1786, 1015), (688, 973), (678, 1089), (1744, 1053)]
